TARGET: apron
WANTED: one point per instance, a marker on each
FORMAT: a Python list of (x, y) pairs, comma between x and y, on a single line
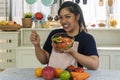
[(63, 60)]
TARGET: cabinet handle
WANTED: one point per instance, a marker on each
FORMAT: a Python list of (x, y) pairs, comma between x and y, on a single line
[(8, 50), (6, 60), (9, 60), (9, 41)]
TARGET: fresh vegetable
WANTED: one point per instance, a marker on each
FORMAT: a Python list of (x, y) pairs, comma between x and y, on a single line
[(65, 75), (62, 42)]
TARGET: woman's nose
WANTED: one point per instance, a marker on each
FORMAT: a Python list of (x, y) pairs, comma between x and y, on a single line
[(64, 20)]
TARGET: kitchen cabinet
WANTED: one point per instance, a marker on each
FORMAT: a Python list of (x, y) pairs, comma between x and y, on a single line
[(8, 44), (108, 45), (109, 57), (25, 58), (25, 35), (107, 40)]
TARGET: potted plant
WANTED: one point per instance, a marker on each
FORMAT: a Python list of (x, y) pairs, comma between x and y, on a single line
[(27, 20)]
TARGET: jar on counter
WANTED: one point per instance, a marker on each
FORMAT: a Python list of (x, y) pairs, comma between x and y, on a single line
[(112, 21), (101, 23)]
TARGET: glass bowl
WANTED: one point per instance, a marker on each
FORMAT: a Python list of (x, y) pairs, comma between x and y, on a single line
[(62, 41)]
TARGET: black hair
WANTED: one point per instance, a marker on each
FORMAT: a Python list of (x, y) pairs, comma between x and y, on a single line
[(76, 10)]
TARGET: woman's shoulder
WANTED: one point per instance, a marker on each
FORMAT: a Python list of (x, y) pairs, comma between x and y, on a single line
[(86, 36)]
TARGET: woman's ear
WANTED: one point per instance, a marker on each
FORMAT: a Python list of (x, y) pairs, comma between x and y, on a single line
[(78, 17)]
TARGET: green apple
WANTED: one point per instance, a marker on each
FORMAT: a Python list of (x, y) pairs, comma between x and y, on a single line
[(65, 75)]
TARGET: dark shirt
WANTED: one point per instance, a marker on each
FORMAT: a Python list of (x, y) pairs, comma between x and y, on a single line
[(87, 44)]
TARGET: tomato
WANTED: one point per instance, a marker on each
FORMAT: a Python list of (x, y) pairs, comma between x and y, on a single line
[(71, 68), (65, 75), (79, 69), (38, 15), (61, 45)]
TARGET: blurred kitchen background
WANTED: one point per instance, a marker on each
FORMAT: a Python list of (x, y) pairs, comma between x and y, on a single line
[(95, 11), (102, 18)]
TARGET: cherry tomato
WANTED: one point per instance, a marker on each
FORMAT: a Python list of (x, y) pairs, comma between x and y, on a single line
[(71, 68), (79, 69)]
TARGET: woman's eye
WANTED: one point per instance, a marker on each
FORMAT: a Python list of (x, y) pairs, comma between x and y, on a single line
[(67, 16), (60, 17)]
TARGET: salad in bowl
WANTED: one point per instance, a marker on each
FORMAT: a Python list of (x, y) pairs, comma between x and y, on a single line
[(62, 41)]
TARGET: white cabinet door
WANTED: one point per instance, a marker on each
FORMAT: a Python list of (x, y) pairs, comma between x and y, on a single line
[(109, 58), (104, 58), (115, 61), (25, 58), (104, 62), (8, 44)]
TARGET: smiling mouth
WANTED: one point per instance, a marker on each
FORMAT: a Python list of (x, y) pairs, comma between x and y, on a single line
[(66, 25)]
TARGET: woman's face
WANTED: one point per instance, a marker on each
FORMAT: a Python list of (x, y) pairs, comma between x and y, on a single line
[(68, 20)]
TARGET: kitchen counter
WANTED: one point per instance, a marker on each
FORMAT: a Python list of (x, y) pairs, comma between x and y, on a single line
[(28, 74)]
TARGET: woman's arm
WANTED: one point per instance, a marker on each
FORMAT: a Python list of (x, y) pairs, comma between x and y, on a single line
[(90, 62), (41, 54)]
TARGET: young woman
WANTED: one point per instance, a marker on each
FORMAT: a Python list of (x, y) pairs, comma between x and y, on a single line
[(82, 54)]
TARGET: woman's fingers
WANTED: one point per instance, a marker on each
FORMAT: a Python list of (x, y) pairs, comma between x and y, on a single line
[(34, 35)]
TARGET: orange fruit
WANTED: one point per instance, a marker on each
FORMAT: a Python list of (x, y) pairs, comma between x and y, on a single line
[(57, 72), (38, 72)]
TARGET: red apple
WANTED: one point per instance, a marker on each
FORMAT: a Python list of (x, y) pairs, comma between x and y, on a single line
[(48, 73), (38, 15)]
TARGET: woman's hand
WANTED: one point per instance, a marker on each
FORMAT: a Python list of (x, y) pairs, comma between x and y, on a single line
[(69, 51), (54, 47), (34, 38)]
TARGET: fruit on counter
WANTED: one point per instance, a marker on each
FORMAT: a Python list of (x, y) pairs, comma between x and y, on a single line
[(79, 69), (7, 23), (38, 15), (65, 75), (3, 22), (10, 23), (38, 72), (80, 76), (48, 73), (58, 72), (70, 68)]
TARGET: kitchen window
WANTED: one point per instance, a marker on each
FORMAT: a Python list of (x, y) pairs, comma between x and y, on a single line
[(93, 10), (5, 9), (96, 11)]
